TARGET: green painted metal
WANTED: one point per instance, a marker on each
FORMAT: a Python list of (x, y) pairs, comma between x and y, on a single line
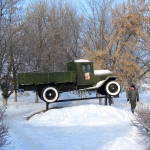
[(102, 77), (44, 78), (84, 70), (78, 73), (85, 73)]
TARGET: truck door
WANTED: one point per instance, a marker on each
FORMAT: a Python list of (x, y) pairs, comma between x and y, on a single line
[(85, 74)]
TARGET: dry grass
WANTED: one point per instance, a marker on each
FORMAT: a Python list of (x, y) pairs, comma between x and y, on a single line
[(141, 120)]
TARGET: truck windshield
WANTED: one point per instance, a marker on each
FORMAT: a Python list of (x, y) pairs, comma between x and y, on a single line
[(86, 68)]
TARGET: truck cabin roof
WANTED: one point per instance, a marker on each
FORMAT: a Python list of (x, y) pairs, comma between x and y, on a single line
[(85, 65)]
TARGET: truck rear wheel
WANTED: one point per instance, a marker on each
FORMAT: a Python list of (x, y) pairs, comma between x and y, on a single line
[(112, 88), (50, 94), (40, 96)]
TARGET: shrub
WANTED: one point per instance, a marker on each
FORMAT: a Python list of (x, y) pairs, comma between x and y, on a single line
[(141, 120), (3, 127)]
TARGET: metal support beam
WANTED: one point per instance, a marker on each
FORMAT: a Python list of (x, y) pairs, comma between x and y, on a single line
[(106, 100), (78, 99), (47, 104), (109, 99)]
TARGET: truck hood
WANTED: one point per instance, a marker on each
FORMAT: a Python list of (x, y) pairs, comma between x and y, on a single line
[(101, 72)]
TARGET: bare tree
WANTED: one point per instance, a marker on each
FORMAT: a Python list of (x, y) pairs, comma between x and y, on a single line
[(9, 39), (96, 31), (3, 127), (54, 30), (64, 33)]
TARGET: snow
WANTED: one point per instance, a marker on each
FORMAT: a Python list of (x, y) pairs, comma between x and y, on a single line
[(81, 60), (78, 125), (101, 72)]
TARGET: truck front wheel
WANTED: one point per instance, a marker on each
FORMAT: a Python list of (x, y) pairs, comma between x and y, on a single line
[(49, 94), (112, 88)]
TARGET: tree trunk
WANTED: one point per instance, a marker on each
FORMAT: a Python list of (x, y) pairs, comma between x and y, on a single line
[(36, 97), (15, 96), (5, 101)]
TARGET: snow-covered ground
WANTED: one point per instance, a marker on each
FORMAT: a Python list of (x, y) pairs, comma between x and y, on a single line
[(82, 125)]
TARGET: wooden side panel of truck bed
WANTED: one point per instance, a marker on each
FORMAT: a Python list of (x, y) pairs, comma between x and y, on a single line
[(45, 78)]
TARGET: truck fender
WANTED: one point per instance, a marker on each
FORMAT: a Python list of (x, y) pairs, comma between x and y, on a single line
[(109, 86), (104, 82)]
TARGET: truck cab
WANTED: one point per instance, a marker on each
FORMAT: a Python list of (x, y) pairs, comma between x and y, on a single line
[(89, 79), (84, 72)]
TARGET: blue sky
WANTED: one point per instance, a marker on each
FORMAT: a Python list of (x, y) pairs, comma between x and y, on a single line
[(74, 1), (78, 3)]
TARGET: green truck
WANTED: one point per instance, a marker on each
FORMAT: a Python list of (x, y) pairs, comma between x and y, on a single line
[(80, 75)]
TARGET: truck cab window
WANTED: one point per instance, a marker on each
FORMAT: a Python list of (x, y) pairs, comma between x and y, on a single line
[(86, 68)]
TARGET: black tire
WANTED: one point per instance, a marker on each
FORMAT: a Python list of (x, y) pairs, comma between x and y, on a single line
[(101, 91), (40, 96), (112, 88), (50, 94)]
